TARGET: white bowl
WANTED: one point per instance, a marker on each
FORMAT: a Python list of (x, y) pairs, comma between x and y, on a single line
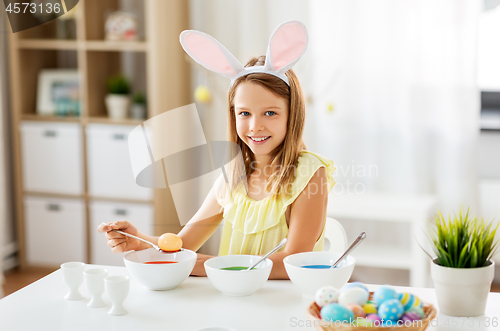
[(310, 280), (234, 282), (160, 276)]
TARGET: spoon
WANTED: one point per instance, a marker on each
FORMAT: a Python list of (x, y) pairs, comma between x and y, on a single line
[(354, 244), (145, 241), (281, 244)]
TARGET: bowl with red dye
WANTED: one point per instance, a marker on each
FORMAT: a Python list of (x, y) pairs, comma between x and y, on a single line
[(160, 271)]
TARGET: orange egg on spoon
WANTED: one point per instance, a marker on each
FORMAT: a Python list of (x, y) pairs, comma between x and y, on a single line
[(170, 242)]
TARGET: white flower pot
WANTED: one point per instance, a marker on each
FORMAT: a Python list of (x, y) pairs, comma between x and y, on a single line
[(138, 111), (462, 292), (117, 105)]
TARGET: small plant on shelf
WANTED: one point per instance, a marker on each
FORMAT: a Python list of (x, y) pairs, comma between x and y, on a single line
[(118, 85), (118, 99), (138, 110), (140, 98)]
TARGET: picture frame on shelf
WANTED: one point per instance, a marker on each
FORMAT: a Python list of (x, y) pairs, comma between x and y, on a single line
[(58, 92)]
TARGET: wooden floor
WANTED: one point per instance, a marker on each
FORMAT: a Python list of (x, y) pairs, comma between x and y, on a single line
[(16, 279)]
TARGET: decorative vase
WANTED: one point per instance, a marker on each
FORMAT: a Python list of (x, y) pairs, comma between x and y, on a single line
[(138, 111), (462, 292), (117, 105)]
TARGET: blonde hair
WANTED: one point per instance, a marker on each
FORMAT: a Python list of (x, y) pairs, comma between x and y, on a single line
[(285, 160)]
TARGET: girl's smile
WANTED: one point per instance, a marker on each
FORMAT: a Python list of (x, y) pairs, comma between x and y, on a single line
[(259, 140), (261, 119)]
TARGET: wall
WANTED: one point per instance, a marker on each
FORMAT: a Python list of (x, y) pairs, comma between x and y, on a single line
[(7, 228)]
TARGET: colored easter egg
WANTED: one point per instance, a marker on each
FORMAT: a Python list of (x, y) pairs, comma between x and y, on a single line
[(384, 293), (326, 295), (388, 323), (170, 242), (409, 300), (374, 318), (202, 94), (370, 308), (355, 284), (336, 312), (391, 310), (411, 316), (418, 310), (357, 310), (353, 295)]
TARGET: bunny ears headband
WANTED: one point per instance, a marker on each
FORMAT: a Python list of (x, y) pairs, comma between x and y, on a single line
[(286, 46)]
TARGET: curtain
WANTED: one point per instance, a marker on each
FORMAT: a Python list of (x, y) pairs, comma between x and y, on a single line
[(395, 99), (390, 85)]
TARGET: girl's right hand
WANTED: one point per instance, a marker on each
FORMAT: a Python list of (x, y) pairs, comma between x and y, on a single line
[(118, 242)]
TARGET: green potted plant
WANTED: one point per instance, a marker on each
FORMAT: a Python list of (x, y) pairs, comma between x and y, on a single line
[(462, 270), (138, 110), (118, 98)]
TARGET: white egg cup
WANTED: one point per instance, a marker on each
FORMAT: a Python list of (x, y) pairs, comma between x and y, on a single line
[(73, 277), (117, 291), (94, 280)]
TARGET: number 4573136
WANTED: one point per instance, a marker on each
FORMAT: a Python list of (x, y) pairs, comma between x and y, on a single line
[(25, 7)]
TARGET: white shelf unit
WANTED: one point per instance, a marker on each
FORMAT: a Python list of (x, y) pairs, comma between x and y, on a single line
[(140, 214), (60, 157), (409, 211), (109, 167), (52, 155), (55, 230)]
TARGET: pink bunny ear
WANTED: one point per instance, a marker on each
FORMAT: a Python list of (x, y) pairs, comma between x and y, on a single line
[(210, 53), (286, 46)]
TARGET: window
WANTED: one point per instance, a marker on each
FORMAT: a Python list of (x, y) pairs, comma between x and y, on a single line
[(489, 65)]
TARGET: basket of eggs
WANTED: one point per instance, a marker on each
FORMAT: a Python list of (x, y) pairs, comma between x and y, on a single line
[(354, 307)]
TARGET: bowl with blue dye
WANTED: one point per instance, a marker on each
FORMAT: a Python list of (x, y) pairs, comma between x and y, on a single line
[(308, 270)]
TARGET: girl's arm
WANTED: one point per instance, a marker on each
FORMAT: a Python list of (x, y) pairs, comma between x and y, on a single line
[(307, 218), (201, 226)]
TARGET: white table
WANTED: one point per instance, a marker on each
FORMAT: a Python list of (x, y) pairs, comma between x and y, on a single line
[(195, 304)]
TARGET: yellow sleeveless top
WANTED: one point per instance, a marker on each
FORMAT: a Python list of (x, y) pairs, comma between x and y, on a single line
[(255, 227)]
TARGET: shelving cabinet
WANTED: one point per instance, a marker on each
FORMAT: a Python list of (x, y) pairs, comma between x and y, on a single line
[(67, 211)]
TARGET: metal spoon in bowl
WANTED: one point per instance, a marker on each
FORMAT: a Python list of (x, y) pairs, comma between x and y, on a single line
[(143, 240), (354, 244), (281, 244)]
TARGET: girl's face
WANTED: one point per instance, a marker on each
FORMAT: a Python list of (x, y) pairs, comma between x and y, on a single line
[(261, 118)]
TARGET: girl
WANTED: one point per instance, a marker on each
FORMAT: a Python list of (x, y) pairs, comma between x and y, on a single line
[(287, 186)]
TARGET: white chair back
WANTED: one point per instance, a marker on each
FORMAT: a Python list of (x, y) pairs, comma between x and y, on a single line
[(335, 237)]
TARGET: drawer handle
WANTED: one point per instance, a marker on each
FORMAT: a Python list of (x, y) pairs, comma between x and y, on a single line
[(121, 212), (50, 133), (53, 207), (118, 136)]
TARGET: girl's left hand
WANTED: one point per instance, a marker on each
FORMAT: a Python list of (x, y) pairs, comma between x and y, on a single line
[(199, 269)]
